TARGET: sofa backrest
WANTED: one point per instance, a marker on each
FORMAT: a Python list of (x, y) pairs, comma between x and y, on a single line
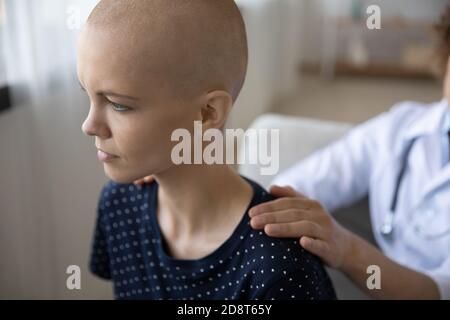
[(298, 138)]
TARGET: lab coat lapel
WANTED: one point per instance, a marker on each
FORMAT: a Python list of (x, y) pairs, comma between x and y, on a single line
[(440, 180), (426, 158)]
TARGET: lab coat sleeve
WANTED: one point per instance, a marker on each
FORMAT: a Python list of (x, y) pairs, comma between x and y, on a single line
[(339, 175)]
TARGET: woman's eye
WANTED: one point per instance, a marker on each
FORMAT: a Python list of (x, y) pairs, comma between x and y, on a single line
[(119, 107)]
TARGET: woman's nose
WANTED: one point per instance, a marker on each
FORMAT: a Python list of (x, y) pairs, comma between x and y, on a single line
[(95, 125)]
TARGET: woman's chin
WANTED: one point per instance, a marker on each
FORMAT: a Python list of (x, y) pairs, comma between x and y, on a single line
[(120, 177)]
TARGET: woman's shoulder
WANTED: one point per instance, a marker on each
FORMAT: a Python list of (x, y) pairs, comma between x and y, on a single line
[(283, 263), (278, 258), (283, 254), (119, 196)]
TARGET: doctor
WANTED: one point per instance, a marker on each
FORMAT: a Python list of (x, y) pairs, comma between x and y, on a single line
[(401, 159)]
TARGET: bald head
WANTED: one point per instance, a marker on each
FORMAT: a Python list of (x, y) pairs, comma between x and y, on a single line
[(200, 45)]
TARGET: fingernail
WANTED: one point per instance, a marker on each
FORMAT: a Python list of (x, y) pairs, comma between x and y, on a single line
[(270, 228), (254, 221)]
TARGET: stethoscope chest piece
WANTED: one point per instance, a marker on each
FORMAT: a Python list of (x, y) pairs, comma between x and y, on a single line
[(387, 227)]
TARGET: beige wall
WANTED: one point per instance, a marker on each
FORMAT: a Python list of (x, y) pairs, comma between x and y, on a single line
[(49, 184)]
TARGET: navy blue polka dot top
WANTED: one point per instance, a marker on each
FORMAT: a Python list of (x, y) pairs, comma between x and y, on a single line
[(129, 249)]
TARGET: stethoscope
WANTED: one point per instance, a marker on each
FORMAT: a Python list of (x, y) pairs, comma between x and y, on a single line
[(387, 227)]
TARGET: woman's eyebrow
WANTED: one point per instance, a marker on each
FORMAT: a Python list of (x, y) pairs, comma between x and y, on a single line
[(110, 93), (113, 94)]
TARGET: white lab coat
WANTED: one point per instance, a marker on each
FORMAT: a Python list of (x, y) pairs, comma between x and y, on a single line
[(367, 161)]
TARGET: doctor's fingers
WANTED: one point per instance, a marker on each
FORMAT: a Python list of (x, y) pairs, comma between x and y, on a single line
[(300, 203), (147, 179), (318, 247), (285, 191), (294, 230), (282, 216)]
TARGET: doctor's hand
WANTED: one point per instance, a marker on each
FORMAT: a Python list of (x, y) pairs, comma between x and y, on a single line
[(295, 216), (147, 179)]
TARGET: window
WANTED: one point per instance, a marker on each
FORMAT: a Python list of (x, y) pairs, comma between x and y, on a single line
[(4, 91)]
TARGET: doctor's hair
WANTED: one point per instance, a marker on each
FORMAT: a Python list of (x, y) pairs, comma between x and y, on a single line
[(442, 31)]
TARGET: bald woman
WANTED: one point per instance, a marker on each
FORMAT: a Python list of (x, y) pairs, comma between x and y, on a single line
[(149, 68)]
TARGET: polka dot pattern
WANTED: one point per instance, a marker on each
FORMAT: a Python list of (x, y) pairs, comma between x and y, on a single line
[(128, 249)]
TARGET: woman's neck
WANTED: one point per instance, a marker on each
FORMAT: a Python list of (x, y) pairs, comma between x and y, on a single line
[(200, 203)]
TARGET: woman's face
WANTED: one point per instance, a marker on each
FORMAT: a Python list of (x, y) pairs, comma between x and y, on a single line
[(133, 111)]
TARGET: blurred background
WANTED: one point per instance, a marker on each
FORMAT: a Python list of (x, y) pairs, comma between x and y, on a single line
[(308, 58)]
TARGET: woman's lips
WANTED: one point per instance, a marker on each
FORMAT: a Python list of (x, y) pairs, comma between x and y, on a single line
[(104, 156)]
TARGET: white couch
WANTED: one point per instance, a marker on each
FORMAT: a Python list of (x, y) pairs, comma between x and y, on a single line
[(299, 137)]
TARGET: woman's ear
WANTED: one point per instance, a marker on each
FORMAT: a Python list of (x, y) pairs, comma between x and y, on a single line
[(216, 109)]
